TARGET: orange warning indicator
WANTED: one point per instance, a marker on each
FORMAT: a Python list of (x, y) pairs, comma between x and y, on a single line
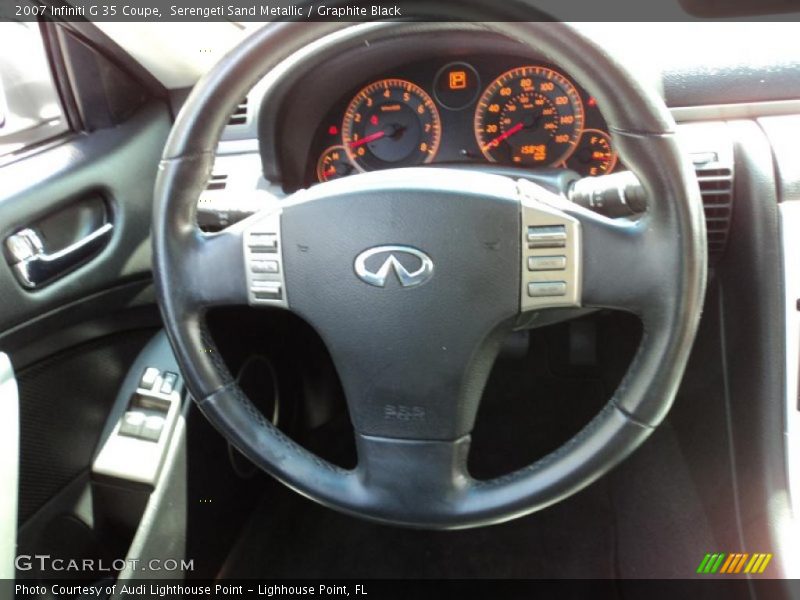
[(458, 80)]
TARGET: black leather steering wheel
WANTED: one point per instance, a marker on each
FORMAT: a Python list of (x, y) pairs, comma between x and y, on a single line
[(413, 276)]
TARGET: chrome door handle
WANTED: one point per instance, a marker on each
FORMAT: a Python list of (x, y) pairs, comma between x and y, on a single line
[(34, 267)]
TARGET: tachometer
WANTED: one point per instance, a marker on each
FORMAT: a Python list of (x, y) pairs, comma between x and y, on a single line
[(391, 123), (529, 116)]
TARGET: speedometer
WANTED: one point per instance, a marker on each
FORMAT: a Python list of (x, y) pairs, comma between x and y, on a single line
[(391, 123), (530, 116)]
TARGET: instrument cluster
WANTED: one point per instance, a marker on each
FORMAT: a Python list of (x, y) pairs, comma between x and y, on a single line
[(503, 110)]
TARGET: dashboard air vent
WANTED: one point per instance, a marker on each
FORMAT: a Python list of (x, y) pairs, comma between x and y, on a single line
[(239, 116), (710, 148), (716, 189), (218, 181)]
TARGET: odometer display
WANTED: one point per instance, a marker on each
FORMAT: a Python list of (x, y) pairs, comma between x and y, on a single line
[(530, 116), (391, 123)]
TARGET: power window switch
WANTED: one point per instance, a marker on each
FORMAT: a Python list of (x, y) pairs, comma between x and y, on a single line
[(152, 428), (149, 378), (168, 381), (132, 423)]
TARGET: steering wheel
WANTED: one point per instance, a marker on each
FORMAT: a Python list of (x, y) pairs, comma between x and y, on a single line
[(412, 277)]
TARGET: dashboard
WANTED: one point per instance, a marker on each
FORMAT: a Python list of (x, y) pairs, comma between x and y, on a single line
[(294, 122), (474, 108)]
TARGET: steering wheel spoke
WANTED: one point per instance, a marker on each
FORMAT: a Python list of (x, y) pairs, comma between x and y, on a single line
[(574, 257), (215, 268), (239, 265), (414, 473), (624, 262)]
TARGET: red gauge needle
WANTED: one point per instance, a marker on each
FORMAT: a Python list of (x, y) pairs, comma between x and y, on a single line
[(367, 139), (503, 136)]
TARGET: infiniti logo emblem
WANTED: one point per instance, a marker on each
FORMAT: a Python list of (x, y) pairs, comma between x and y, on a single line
[(416, 267)]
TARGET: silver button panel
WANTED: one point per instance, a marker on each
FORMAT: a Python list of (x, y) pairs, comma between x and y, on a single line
[(551, 251), (264, 261)]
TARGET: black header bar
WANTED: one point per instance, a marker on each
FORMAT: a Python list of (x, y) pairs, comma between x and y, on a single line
[(358, 10)]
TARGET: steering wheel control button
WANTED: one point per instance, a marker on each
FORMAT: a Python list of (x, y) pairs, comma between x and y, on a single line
[(554, 236), (542, 289), (550, 279), (263, 242), (267, 290), (547, 263), (263, 256), (265, 266)]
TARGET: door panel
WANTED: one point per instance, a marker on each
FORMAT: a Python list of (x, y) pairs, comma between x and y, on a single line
[(118, 164), (73, 340)]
